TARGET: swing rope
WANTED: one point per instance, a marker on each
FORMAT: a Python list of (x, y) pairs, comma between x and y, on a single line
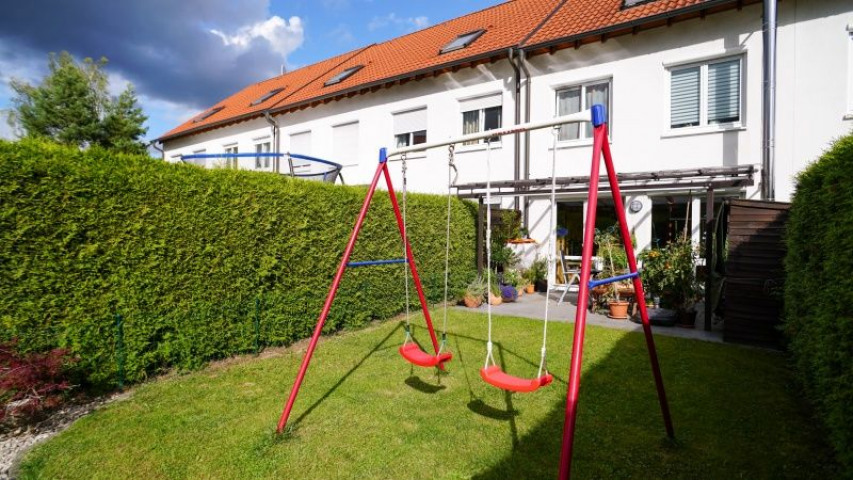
[(551, 247), (408, 327), (489, 357), (452, 176)]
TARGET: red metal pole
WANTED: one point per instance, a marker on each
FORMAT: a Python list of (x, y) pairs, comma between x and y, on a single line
[(414, 268), (599, 137), (318, 330), (638, 288)]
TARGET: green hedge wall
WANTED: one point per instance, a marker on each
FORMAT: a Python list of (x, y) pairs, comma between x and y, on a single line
[(184, 253), (819, 291)]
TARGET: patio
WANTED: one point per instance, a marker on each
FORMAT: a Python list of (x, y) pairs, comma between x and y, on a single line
[(533, 306)]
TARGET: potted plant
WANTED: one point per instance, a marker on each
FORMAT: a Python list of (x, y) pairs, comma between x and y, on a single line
[(537, 274), (495, 291), (475, 292), (610, 248), (526, 281), (514, 278), (670, 273)]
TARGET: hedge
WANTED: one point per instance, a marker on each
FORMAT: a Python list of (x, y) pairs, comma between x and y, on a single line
[(819, 291), (184, 254)]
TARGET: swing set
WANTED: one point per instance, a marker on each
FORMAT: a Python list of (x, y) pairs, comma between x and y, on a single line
[(491, 373)]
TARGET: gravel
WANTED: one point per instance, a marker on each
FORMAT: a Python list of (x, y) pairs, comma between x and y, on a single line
[(16, 442)]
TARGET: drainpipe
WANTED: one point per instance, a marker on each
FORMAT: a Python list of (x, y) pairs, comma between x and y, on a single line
[(517, 153), (159, 149), (276, 140), (523, 61), (768, 134)]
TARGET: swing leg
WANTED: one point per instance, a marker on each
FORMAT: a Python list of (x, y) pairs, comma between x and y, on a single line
[(333, 290)]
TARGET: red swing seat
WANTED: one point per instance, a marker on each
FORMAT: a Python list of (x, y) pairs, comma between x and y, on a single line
[(414, 355), (493, 375)]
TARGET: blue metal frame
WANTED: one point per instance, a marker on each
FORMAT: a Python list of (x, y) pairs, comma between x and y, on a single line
[(268, 154), (369, 263), (604, 281)]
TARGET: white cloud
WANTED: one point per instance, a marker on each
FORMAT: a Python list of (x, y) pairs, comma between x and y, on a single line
[(283, 37), (410, 23), (342, 34)]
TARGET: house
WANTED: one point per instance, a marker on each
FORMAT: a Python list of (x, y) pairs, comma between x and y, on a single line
[(683, 82)]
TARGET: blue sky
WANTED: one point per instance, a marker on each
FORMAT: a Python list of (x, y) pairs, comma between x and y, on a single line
[(184, 56)]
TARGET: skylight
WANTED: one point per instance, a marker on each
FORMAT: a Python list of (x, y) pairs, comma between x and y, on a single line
[(206, 114), (462, 41), (340, 77), (266, 97)]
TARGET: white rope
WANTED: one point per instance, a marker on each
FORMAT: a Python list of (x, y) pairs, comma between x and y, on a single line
[(405, 254), (451, 180), (551, 263), (489, 250)]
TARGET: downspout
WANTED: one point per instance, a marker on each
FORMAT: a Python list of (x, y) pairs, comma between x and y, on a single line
[(276, 140), (768, 134), (523, 61), (517, 153), (159, 149)]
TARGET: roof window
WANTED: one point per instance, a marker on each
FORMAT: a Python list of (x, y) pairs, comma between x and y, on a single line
[(266, 97), (340, 77), (207, 114), (462, 41)]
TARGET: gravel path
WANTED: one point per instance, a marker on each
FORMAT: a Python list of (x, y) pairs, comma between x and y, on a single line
[(15, 443)]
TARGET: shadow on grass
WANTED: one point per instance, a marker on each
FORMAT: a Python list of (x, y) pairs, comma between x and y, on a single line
[(416, 383)]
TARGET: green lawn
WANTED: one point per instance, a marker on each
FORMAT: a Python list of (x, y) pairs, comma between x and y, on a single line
[(364, 413)]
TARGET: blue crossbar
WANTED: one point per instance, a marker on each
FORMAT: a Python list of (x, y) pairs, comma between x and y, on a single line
[(368, 263), (603, 281)]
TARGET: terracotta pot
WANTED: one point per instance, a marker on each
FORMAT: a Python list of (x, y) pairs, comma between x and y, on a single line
[(520, 291), (529, 288), (618, 310), (495, 299), (472, 302)]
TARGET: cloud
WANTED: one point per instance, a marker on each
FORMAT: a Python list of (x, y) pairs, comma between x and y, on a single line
[(409, 23), (167, 49), (342, 34)]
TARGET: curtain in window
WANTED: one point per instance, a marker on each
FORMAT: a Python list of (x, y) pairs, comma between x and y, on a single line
[(684, 98), (262, 162), (470, 123), (598, 94), (569, 101), (724, 92)]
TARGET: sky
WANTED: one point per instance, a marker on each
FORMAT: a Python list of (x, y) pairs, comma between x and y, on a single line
[(183, 56)]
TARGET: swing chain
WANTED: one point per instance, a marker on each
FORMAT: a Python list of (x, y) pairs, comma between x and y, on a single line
[(405, 242)]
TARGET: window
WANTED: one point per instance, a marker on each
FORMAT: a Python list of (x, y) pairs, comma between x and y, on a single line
[(340, 77), (231, 162), (705, 94), (300, 143), (205, 115), (262, 162), (481, 114), (410, 127), (266, 97), (578, 98), (198, 161), (462, 41), (345, 143)]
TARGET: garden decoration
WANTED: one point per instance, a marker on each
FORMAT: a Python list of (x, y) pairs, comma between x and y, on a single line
[(492, 373)]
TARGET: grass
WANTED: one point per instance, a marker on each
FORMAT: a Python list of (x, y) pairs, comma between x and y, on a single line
[(365, 413)]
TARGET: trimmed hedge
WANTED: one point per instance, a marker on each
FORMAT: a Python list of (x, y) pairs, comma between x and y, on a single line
[(184, 253), (819, 291)]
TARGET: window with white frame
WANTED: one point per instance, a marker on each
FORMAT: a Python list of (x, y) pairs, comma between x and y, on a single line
[(410, 127), (577, 98), (231, 162), (345, 143), (198, 161), (263, 162), (705, 94), (482, 114), (300, 143)]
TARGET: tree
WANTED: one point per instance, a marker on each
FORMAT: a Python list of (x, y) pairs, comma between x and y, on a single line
[(72, 106)]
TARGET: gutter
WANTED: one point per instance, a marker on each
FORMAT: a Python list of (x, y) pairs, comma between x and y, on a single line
[(153, 143), (527, 92), (768, 113), (517, 149), (276, 140)]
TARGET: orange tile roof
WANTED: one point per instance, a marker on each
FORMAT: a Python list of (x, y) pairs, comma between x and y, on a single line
[(529, 24)]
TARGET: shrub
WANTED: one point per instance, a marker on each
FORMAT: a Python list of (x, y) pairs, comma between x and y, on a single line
[(183, 253), (819, 291), (33, 382)]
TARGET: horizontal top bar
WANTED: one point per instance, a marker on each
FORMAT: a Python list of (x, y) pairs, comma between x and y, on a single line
[(579, 117), (595, 283), (368, 263)]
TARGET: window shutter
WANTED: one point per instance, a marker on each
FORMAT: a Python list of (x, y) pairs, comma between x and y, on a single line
[(300, 143), (684, 97), (345, 143), (411, 121), (724, 92), (480, 103)]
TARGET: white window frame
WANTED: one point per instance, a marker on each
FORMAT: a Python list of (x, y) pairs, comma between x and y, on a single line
[(232, 162), (704, 126), (583, 85), (263, 163), (481, 119)]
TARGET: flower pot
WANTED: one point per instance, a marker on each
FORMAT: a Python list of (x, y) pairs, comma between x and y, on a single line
[(472, 302), (530, 288), (541, 285), (618, 309), (509, 293), (494, 299), (685, 318), (520, 291)]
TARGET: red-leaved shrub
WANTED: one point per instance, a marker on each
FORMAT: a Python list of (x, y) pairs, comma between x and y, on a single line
[(32, 382)]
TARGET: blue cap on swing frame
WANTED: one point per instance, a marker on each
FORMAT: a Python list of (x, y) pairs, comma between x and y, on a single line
[(599, 115)]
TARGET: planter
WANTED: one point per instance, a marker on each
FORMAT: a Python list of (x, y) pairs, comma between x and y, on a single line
[(520, 291), (618, 310), (541, 285), (472, 302), (685, 318), (509, 293), (530, 288), (495, 299)]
